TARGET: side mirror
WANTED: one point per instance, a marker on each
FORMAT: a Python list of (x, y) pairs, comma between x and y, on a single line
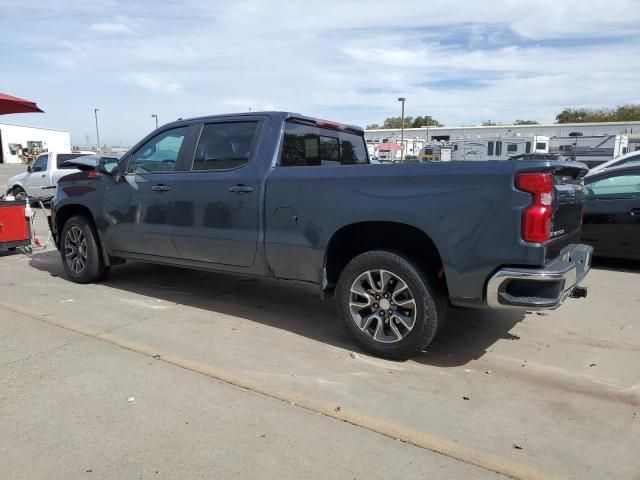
[(29, 169), (107, 165)]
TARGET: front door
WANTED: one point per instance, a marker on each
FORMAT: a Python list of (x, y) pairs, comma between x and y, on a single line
[(217, 198), (611, 220), (138, 208), (38, 178)]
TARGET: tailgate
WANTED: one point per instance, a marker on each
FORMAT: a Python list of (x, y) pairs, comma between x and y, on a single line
[(567, 208)]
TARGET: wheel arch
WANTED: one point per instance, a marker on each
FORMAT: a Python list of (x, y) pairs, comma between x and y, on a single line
[(64, 213), (356, 238)]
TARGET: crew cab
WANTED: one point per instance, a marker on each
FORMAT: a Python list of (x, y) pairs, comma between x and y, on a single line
[(282, 195), (41, 178)]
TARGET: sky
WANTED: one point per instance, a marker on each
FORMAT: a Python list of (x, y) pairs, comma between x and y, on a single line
[(462, 62)]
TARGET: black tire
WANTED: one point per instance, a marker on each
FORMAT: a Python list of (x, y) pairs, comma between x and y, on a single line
[(86, 248), (428, 308), (19, 193)]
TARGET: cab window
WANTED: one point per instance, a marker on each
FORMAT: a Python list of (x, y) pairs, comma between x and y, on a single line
[(225, 146), (160, 154), (308, 145)]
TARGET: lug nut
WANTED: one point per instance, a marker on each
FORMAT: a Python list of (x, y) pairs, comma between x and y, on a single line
[(386, 295), (381, 312), (377, 297), (375, 305)]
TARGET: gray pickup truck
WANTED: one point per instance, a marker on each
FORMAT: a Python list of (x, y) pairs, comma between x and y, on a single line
[(291, 197)]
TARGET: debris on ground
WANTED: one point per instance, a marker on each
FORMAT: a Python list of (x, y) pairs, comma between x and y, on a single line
[(131, 399), (542, 314), (89, 471), (337, 409), (465, 398), (156, 356), (488, 372), (516, 446), (592, 365)]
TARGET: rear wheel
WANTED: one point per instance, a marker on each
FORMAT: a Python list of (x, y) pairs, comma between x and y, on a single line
[(388, 305), (80, 251)]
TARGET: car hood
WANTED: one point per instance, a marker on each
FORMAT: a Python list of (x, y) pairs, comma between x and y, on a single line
[(17, 179)]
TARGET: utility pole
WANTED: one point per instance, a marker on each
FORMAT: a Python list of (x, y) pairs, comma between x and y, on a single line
[(95, 112), (155, 115), (402, 99)]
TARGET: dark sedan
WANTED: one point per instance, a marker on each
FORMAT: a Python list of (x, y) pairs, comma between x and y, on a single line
[(611, 222)]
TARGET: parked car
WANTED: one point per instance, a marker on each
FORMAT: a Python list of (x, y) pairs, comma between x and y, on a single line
[(40, 179), (292, 197), (626, 159), (611, 222)]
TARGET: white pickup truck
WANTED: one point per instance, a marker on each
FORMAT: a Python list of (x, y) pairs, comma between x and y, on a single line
[(41, 178)]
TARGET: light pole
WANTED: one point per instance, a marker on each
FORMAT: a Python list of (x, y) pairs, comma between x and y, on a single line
[(155, 115), (402, 99), (95, 112)]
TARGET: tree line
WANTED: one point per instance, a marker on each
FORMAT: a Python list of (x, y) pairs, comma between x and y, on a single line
[(622, 113)]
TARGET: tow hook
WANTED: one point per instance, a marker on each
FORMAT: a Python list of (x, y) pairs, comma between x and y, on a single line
[(578, 292)]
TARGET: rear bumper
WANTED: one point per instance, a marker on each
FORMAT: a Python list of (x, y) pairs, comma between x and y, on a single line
[(541, 288)]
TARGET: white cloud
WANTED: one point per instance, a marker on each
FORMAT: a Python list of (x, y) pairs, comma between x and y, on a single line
[(153, 83), (107, 27), (462, 62)]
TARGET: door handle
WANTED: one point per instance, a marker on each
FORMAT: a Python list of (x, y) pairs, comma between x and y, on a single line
[(241, 189), (161, 188), (635, 212)]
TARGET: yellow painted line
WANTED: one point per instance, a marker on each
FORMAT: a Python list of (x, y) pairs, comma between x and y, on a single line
[(378, 425)]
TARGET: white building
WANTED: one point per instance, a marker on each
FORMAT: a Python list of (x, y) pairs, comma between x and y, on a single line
[(13, 138), (414, 136)]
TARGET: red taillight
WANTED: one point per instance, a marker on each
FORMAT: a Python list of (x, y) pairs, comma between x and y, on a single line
[(536, 219)]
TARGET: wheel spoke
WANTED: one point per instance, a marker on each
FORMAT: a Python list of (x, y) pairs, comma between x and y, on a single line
[(406, 320), (367, 321), (395, 330)]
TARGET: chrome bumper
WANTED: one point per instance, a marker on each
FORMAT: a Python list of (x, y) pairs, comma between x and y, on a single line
[(541, 288)]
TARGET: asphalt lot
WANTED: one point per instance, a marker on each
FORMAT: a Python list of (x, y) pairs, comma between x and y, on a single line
[(160, 372)]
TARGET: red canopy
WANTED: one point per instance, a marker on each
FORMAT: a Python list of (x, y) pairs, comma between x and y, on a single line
[(9, 104), (388, 147)]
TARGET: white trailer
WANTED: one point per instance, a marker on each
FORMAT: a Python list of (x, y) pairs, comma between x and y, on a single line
[(498, 148), (15, 138), (591, 150)]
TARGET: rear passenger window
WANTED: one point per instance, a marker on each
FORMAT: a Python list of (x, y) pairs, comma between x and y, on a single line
[(490, 149), (225, 146), (307, 145)]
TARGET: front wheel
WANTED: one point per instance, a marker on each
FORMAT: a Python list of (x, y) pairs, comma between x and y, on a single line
[(80, 251), (19, 193), (389, 306)]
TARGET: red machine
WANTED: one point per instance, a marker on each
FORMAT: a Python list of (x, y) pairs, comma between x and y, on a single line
[(15, 228)]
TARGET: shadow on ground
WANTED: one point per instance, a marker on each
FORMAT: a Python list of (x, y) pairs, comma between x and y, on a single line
[(293, 307), (616, 264)]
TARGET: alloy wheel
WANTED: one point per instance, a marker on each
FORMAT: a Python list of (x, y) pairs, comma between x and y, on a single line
[(382, 306), (75, 249)]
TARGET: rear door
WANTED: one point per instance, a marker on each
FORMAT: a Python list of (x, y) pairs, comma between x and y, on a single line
[(217, 200), (612, 215), (138, 208)]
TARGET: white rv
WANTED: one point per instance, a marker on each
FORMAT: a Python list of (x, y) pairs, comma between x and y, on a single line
[(590, 150), (498, 148)]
